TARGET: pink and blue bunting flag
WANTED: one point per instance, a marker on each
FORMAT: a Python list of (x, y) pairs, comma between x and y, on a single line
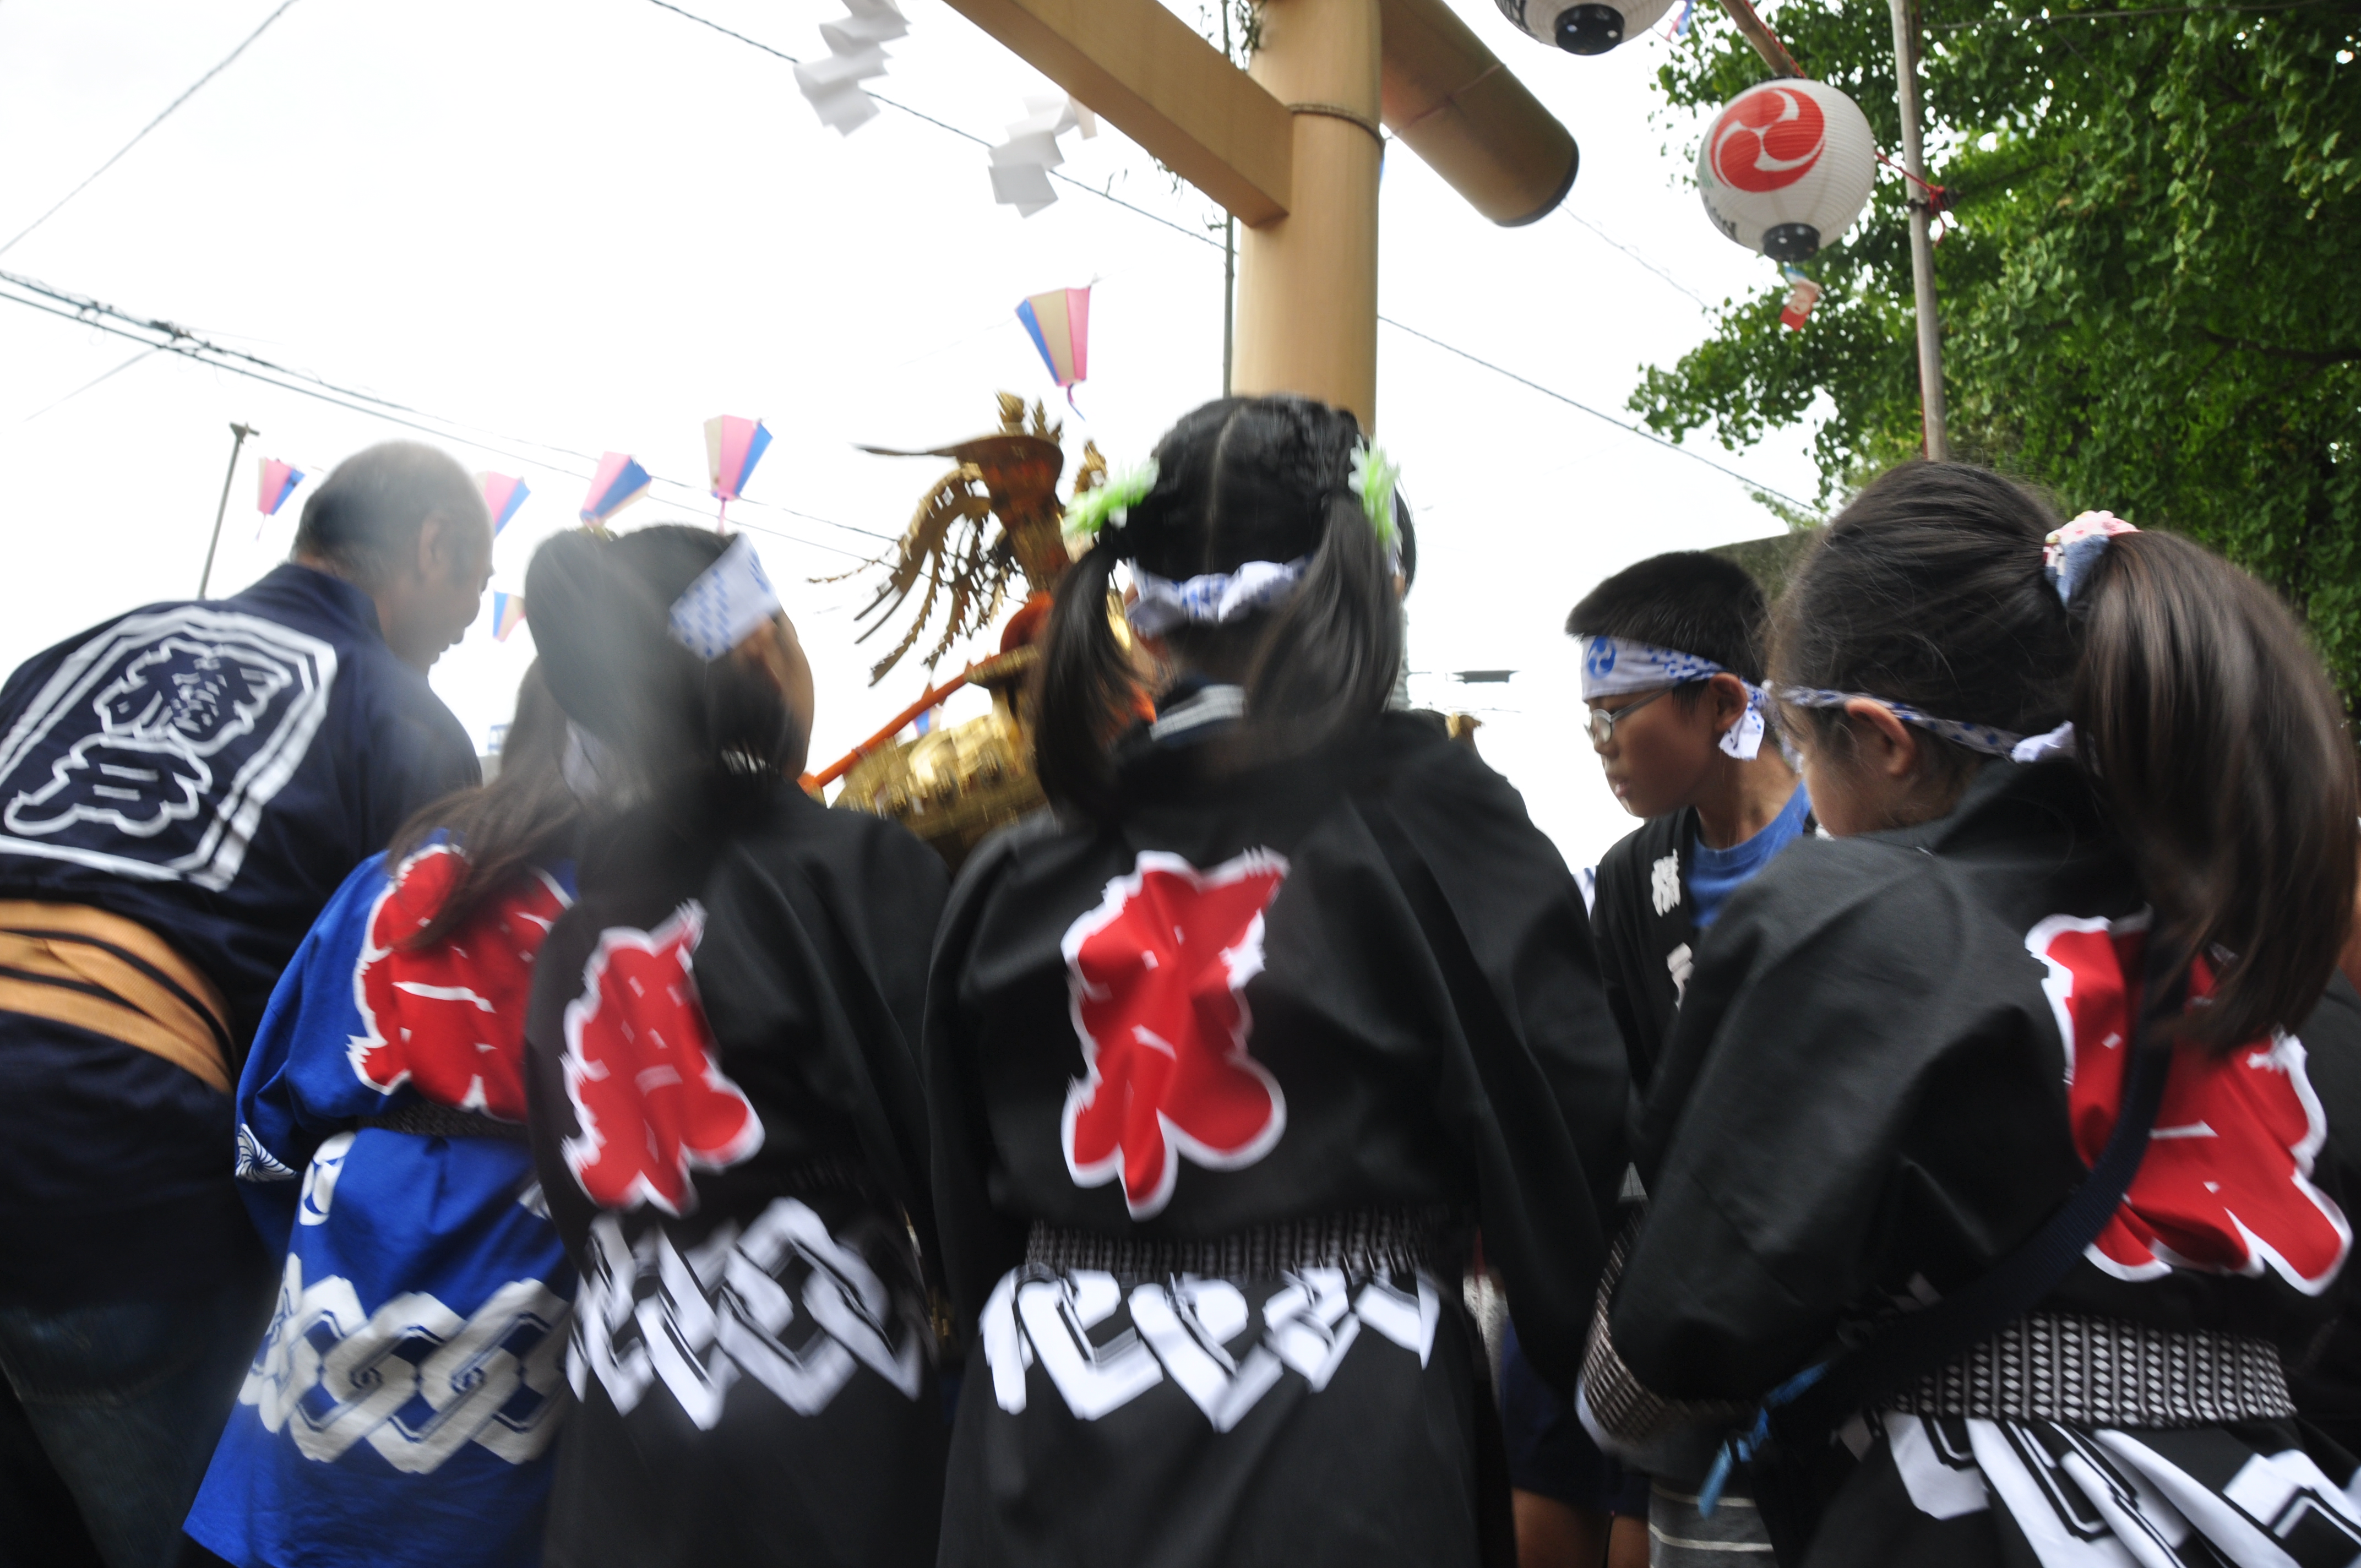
[(508, 614), (1060, 324), (502, 494), (279, 482), (619, 482), (732, 447)]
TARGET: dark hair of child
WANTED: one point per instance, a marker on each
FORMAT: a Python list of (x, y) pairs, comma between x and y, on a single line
[(1239, 479), (526, 816), (668, 720), (2202, 720), (1688, 602)]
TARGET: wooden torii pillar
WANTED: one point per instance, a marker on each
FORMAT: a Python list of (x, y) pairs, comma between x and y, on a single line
[(1291, 146)]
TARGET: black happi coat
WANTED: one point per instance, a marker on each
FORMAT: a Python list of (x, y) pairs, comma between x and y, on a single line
[(734, 1007), (1644, 923), (1403, 964), (1867, 1096)]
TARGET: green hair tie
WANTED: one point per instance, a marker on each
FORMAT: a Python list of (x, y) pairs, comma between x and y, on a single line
[(1375, 475), (1109, 503)]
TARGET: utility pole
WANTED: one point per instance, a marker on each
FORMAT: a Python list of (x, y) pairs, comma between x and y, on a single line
[(241, 431), (1921, 245)]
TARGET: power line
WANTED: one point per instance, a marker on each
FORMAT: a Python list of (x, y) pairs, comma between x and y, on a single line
[(86, 386), (1630, 429), (179, 339), (196, 349), (150, 126), (1209, 241), (1702, 301)]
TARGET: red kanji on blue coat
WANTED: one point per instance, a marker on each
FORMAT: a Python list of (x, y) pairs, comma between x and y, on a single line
[(448, 1019)]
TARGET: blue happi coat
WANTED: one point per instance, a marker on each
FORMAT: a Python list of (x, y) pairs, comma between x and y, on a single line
[(401, 1405)]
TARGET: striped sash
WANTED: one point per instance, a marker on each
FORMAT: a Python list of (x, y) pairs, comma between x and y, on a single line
[(73, 964)]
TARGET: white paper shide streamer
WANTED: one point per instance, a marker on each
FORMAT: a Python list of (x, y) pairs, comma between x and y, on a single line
[(856, 52), (1021, 164)]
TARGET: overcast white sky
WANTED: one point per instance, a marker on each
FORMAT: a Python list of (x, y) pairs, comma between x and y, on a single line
[(594, 223)]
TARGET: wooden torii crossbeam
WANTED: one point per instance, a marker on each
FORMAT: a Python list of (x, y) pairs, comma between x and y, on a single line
[(1292, 144)]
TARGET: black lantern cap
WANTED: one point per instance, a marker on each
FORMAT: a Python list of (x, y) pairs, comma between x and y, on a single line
[(1590, 29)]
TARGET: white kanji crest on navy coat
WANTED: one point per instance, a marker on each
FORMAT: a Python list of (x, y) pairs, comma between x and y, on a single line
[(153, 750)]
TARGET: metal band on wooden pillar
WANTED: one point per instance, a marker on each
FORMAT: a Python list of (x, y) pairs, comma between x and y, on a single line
[(1308, 281)]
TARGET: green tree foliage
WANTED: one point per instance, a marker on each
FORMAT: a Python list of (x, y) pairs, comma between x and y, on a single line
[(2152, 292)]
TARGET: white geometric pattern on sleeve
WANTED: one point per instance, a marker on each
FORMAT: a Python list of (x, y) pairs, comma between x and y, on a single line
[(1188, 1329), (413, 1379), (257, 1163), (783, 1303)]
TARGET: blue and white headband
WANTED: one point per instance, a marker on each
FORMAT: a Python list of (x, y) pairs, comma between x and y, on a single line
[(2067, 557), (1613, 666), (1219, 597), (727, 602), (1987, 739), (1210, 600)]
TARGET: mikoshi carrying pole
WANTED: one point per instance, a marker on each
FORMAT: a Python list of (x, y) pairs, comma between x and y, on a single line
[(241, 431), (1922, 248)]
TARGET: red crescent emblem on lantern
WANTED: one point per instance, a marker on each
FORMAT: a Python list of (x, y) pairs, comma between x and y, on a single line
[(449, 1020), (1155, 976), (652, 1102), (2225, 1186), (1768, 139)]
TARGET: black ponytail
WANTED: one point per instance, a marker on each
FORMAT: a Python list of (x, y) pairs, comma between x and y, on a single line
[(1087, 682), (2202, 720), (1239, 479), (1330, 657), (2221, 748)]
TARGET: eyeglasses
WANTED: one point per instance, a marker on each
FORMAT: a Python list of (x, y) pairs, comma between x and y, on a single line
[(1603, 720)]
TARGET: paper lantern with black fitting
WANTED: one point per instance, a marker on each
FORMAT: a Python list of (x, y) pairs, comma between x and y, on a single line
[(1591, 26), (1786, 167)]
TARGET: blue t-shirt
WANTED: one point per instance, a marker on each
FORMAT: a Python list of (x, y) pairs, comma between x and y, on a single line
[(1714, 875)]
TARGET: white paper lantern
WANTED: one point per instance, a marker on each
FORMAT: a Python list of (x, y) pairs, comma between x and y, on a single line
[(1593, 27), (1788, 167)]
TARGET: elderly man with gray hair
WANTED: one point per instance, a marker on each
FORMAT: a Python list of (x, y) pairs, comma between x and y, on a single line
[(182, 789)]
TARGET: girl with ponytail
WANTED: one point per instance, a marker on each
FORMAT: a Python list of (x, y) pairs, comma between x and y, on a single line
[(1230, 1055), (382, 1152), (726, 1107), (2092, 801)]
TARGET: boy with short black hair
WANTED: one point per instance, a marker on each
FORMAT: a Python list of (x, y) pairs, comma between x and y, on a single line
[(1717, 802), (1672, 674)]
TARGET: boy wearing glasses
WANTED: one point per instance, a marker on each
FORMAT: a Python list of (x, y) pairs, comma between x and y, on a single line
[(1672, 674)]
